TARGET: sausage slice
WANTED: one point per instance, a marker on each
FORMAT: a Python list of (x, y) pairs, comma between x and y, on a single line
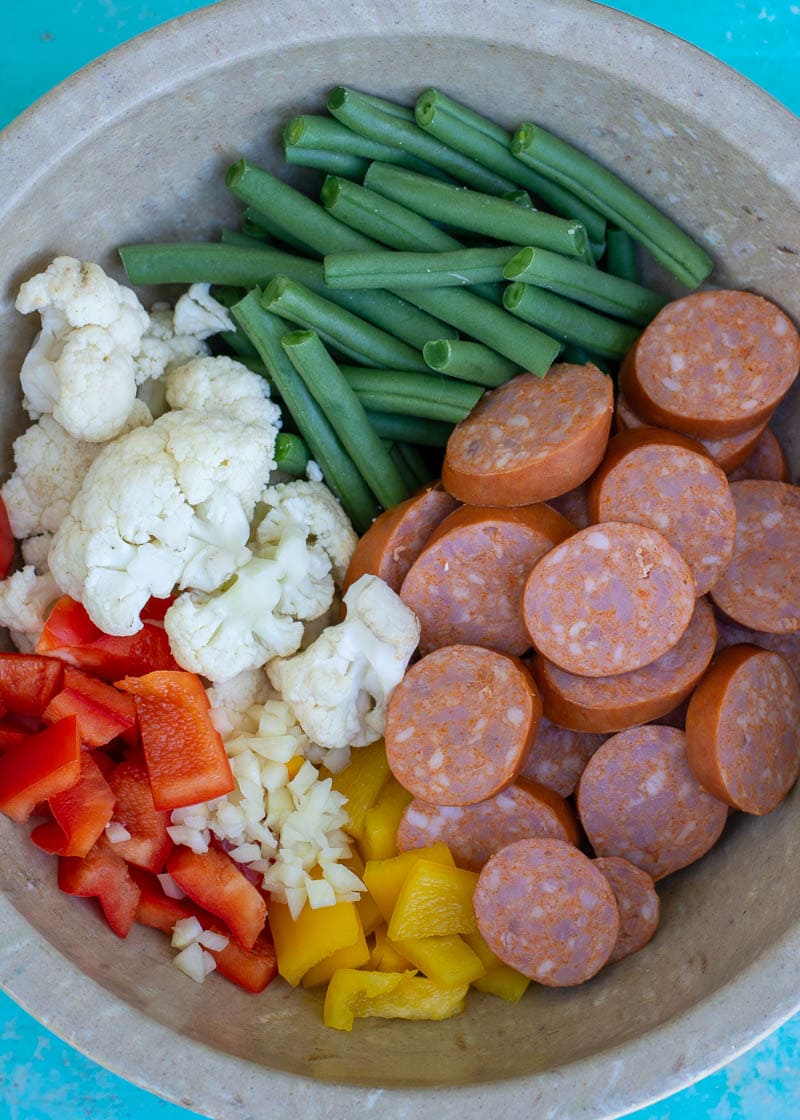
[(766, 461), (558, 756), (787, 645), (638, 904), (572, 505)]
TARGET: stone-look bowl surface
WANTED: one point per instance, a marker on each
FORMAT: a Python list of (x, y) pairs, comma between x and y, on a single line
[(134, 148)]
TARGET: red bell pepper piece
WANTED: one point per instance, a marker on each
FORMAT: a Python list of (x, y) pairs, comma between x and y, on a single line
[(102, 711), (213, 881), (184, 752), (158, 910), (28, 682), (70, 635), (13, 729), (154, 610), (252, 969), (102, 874), (81, 813), (40, 767), (150, 843), (6, 542)]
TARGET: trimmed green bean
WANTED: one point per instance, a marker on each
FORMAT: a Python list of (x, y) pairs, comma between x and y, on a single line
[(621, 255), (346, 415), (413, 394), (363, 116), (580, 356), (403, 466), (332, 163), (584, 284), (405, 112), (468, 361), (265, 331), (241, 240), (227, 294), (275, 231), (569, 321), (253, 227), (239, 343), (328, 135), (521, 198), (291, 454), (414, 429), (388, 269), (481, 213), (350, 335), (490, 145), (622, 205)]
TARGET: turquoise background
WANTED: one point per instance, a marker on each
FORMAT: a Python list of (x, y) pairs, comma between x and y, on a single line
[(41, 42)]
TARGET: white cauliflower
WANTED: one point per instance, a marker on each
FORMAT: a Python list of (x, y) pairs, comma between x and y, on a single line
[(198, 314), (35, 551), (175, 336), (311, 503), (235, 703), (222, 385), (340, 686), (25, 599)]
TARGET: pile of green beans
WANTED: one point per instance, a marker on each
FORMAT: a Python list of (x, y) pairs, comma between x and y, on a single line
[(446, 255)]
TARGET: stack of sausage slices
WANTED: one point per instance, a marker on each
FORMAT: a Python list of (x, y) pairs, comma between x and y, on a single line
[(617, 619)]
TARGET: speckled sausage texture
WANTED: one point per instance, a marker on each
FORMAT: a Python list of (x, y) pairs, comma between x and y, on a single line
[(787, 645), (761, 587), (667, 481), (466, 586), (547, 911), (766, 461), (572, 505), (712, 364), (460, 725), (743, 729), (608, 704), (531, 439), (473, 833), (638, 799), (638, 904), (611, 599), (558, 756)]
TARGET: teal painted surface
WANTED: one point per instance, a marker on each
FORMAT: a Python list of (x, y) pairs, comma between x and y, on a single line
[(41, 42)]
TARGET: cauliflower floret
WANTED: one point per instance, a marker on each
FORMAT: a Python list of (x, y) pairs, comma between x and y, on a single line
[(222, 385), (313, 505), (340, 686), (163, 347), (198, 313), (25, 599), (35, 551), (233, 702)]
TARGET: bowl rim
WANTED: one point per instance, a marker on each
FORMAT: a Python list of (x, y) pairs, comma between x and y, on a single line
[(61, 996)]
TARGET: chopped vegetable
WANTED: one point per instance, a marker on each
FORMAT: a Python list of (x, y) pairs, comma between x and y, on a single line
[(388, 269), (468, 361), (387, 995), (569, 321), (80, 813), (447, 960), (384, 878), (213, 881), (102, 712), (434, 900), (103, 875), (313, 936), (149, 843), (361, 783), (378, 839), (28, 683)]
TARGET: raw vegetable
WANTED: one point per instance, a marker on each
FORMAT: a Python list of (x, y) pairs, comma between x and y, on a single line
[(361, 783), (103, 875), (384, 878), (80, 813), (28, 683), (291, 454), (412, 394), (387, 269), (149, 843), (213, 881), (569, 321), (468, 361), (6, 541), (378, 838), (303, 942), (102, 712), (434, 900), (387, 995)]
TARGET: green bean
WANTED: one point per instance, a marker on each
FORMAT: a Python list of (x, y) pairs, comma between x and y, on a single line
[(253, 226), (363, 116), (291, 454), (332, 163), (340, 472), (350, 335), (621, 255), (521, 198), (606, 192), (580, 356), (239, 343), (274, 230), (408, 476), (404, 112), (241, 240), (584, 284), (392, 425), (389, 269), (346, 415), (468, 361), (227, 294), (490, 145), (569, 321), (416, 463), (481, 213), (413, 394), (199, 261), (328, 135)]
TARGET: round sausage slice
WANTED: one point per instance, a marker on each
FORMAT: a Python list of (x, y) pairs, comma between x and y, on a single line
[(638, 904), (608, 600), (761, 587), (712, 364), (638, 799), (460, 724), (766, 461), (616, 703), (395, 539), (466, 586), (531, 439), (558, 756), (668, 481), (743, 729), (787, 645), (473, 833), (572, 505), (546, 910)]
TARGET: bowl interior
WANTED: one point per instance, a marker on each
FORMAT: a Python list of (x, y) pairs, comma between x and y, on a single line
[(148, 166)]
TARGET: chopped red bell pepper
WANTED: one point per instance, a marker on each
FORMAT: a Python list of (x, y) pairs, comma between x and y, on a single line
[(6, 542), (213, 881), (154, 610), (40, 767), (80, 813), (13, 729), (70, 635), (185, 755), (252, 969), (150, 843), (158, 910), (102, 711), (28, 682), (102, 874)]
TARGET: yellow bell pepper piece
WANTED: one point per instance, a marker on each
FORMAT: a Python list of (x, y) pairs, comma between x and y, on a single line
[(301, 944), (448, 961), (379, 839), (366, 906), (294, 764), (481, 949), (361, 782), (385, 877), (350, 991), (387, 995), (434, 900), (499, 979), (352, 956), (385, 956)]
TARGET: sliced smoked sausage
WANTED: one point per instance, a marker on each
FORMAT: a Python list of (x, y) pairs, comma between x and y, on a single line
[(743, 729), (637, 902), (638, 799), (460, 724), (712, 364), (473, 833), (558, 756), (531, 439), (767, 461), (546, 910), (572, 505), (608, 600), (730, 633), (466, 585)]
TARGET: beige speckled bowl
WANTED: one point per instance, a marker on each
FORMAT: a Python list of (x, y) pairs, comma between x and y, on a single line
[(134, 148)]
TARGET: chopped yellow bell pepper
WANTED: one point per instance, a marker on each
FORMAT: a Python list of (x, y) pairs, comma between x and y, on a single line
[(481, 949), (385, 877), (499, 979), (301, 944), (434, 900), (366, 906), (361, 782), (448, 961), (385, 956), (294, 764), (387, 995), (352, 956), (379, 839)]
